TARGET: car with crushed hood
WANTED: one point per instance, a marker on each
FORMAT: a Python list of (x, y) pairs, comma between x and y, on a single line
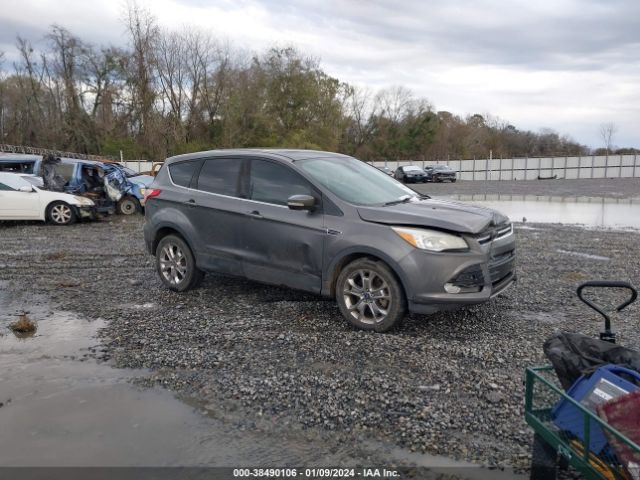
[(324, 223), (111, 186)]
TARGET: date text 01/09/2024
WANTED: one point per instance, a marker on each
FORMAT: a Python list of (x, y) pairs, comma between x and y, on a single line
[(315, 473)]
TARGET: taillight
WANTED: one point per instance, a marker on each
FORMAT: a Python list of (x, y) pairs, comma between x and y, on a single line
[(150, 193)]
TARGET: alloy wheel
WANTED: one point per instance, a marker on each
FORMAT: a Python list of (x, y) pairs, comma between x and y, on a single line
[(61, 214), (367, 296), (173, 264)]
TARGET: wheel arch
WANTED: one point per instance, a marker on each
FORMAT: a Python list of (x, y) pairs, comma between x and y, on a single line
[(336, 266), (165, 231)]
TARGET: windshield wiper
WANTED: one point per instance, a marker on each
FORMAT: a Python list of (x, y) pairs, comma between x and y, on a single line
[(402, 199)]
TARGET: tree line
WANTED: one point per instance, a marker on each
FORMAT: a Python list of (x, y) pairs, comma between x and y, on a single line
[(169, 92)]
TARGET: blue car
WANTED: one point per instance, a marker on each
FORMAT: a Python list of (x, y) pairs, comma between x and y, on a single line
[(113, 187)]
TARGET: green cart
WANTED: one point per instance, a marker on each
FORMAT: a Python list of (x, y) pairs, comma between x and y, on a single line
[(553, 447)]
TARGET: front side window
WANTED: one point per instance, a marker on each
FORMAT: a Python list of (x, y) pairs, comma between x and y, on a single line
[(182, 172), (221, 176), (354, 181), (271, 182)]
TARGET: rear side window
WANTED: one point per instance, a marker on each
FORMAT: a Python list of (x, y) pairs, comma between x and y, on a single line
[(182, 172), (5, 187), (274, 183), (221, 176)]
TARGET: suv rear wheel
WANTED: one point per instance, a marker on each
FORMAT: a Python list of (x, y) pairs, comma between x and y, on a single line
[(176, 264), (369, 295)]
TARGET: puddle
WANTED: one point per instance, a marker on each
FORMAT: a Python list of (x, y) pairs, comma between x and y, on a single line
[(59, 407), (588, 211)]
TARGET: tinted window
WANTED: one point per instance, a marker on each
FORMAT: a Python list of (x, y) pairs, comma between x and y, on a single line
[(275, 183), (182, 172), (220, 175), (5, 187)]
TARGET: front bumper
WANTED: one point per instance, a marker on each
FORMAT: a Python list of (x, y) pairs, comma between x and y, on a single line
[(86, 211), (481, 273)]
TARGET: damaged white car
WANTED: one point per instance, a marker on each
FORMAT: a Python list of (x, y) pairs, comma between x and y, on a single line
[(22, 198)]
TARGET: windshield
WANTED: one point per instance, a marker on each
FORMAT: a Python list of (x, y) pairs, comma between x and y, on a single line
[(411, 168), (354, 181), (441, 167)]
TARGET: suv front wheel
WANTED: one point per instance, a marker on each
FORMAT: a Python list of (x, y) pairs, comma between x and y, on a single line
[(176, 264), (369, 295)]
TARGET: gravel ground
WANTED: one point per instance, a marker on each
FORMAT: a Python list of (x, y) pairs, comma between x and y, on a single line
[(597, 187), (276, 359)]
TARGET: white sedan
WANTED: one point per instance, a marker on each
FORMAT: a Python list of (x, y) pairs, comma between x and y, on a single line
[(22, 198)]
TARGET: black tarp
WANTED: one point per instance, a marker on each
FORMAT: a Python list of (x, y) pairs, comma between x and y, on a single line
[(574, 354)]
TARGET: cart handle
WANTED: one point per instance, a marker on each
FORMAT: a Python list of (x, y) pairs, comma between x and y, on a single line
[(607, 284)]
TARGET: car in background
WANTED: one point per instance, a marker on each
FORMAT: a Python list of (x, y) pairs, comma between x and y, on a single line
[(324, 223), (410, 174), (386, 170), (440, 173), (75, 176), (22, 198)]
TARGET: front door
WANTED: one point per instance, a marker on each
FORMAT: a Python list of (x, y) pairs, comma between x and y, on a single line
[(15, 204), (283, 246)]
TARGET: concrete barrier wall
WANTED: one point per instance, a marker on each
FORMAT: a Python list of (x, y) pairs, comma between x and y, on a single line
[(613, 166), (591, 166), (137, 165)]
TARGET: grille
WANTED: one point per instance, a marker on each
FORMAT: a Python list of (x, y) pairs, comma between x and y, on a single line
[(501, 266), (495, 233)]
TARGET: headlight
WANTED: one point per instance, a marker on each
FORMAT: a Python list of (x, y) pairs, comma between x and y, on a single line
[(83, 200), (432, 240)]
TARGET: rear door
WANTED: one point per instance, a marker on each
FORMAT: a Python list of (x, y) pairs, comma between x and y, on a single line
[(219, 214), (284, 247)]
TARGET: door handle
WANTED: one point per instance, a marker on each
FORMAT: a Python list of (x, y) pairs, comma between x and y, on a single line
[(254, 214), (190, 203)]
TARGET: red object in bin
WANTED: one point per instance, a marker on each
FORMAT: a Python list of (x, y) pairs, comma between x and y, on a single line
[(623, 414)]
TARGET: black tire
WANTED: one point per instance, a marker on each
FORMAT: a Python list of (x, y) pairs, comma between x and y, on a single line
[(543, 460), (61, 213), (128, 205), (176, 264), (453, 180), (364, 307)]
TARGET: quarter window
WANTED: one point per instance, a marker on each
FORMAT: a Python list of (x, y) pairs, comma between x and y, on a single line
[(182, 172), (221, 176), (274, 183)]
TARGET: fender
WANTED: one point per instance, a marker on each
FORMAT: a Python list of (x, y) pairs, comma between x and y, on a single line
[(175, 220), (328, 274)]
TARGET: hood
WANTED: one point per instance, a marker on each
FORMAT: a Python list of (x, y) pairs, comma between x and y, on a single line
[(145, 180), (442, 214)]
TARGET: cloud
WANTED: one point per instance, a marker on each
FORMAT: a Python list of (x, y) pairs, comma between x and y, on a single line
[(566, 64)]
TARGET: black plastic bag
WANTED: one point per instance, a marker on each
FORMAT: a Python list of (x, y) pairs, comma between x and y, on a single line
[(574, 354)]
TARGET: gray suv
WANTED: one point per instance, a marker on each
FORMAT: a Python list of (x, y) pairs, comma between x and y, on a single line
[(328, 224)]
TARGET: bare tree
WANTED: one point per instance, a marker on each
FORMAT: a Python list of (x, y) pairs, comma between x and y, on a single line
[(607, 133)]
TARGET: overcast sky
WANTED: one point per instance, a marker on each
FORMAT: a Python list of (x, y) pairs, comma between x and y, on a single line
[(565, 64)]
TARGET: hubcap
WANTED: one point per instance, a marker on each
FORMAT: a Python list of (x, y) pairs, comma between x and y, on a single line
[(367, 296), (127, 207), (173, 264), (61, 214)]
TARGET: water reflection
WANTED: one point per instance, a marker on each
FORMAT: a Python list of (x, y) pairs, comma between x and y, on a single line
[(589, 211)]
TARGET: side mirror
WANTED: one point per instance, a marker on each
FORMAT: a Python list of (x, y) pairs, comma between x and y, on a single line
[(301, 202), (25, 189)]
